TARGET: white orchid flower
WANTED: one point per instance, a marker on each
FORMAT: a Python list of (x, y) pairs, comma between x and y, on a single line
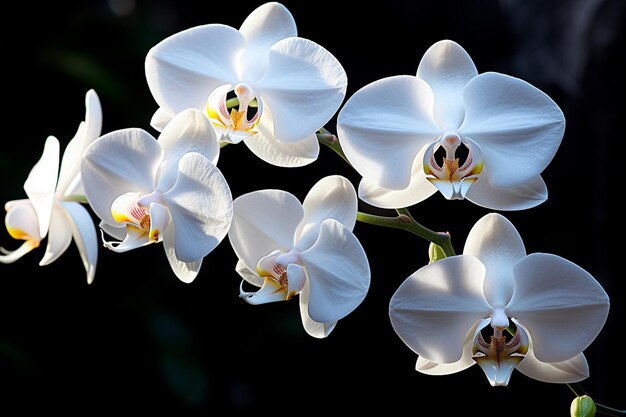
[(482, 137), (53, 208), (289, 248), (261, 84), (458, 311), (167, 190)]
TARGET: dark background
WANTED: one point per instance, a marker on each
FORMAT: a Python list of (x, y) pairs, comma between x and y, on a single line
[(138, 339)]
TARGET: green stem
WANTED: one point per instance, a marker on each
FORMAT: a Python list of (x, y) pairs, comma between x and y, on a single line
[(328, 139), (405, 221)]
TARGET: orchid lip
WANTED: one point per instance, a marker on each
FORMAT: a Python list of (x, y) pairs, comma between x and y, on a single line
[(234, 111), (453, 163)]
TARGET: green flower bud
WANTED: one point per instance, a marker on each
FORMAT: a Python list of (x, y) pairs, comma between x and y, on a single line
[(435, 253), (583, 406)]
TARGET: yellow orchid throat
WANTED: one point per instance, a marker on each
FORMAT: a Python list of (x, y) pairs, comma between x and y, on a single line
[(234, 112)]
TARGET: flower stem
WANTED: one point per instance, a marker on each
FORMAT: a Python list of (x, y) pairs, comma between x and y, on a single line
[(328, 139), (405, 221)]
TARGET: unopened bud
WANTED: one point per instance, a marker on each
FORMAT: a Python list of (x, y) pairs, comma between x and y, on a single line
[(583, 406)]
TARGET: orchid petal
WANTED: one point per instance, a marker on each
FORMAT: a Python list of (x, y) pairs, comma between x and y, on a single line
[(566, 372), (263, 221), (332, 197), (135, 238), (289, 155), (447, 67), (183, 69), (270, 292), (248, 275), (201, 206), (160, 119), (41, 183), (159, 220), (304, 86), (562, 305), (296, 279), (435, 368), (338, 271), (88, 131), (117, 231), (384, 125), (185, 271), (434, 308), (418, 190), (59, 236), (21, 223), (85, 236), (265, 26), (312, 327), (189, 131), (518, 127), (119, 162), (516, 197), (495, 241)]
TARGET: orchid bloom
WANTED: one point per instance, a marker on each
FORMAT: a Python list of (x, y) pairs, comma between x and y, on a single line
[(498, 307), (482, 137), (52, 208), (288, 248), (167, 190), (260, 84)]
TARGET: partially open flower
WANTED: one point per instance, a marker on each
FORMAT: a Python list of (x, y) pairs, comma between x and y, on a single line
[(502, 309)]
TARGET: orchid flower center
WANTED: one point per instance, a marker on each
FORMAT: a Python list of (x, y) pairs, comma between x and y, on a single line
[(235, 112), (507, 345), (453, 164)]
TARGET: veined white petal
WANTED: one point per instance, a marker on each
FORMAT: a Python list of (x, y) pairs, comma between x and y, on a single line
[(189, 131), (562, 305), (201, 206), (434, 308), (41, 183), (21, 223), (312, 327), (248, 275), (119, 162), (332, 197), (338, 273), (304, 85), (160, 119), (495, 241), (518, 127), (183, 69), (384, 125), (447, 67), (516, 197), (59, 236), (185, 271), (263, 221), (427, 367), (85, 236), (88, 131), (289, 155), (266, 25)]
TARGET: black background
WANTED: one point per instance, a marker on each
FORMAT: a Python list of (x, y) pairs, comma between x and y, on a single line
[(138, 339)]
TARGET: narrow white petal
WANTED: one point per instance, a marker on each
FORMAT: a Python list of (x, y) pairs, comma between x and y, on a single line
[(185, 271), (263, 221), (428, 367), (88, 131), (265, 26), (518, 127), (188, 131), (338, 272), (332, 197), (304, 85), (312, 327), (183, 69), (160, 119), (418, 190), (41, 183), (59, 236), (434, 308), (85, 236), (562, 305), (384, 125), (119, 162), (517, 197), (289, 155), (201, 206), (447, 67), (495, 241), (8, 257)]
